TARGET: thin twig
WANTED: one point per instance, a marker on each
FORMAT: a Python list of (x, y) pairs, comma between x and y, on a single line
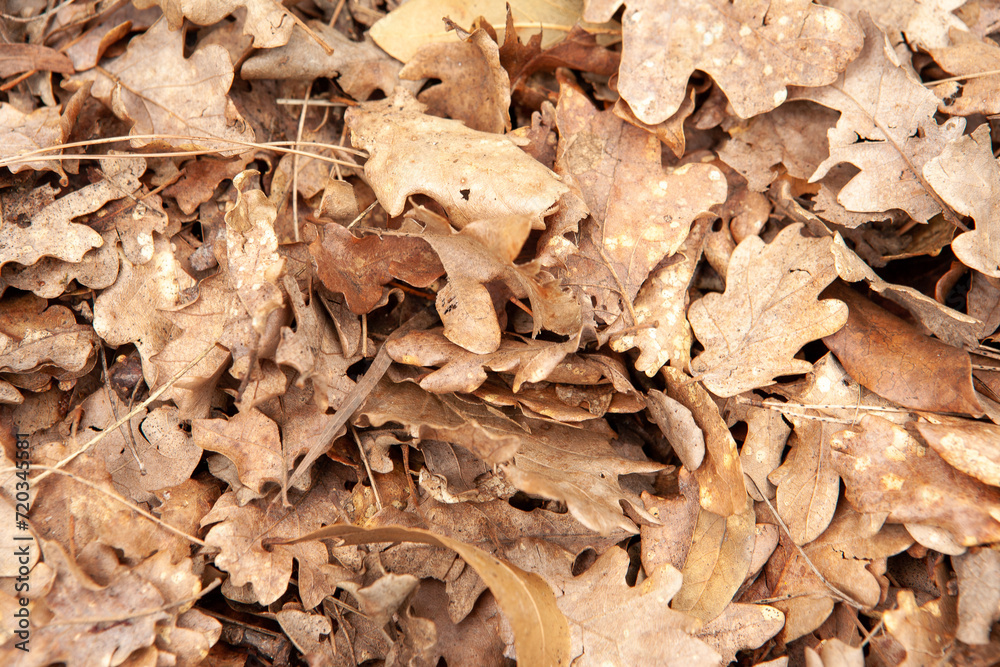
[(136, 614), (975, 75), (295, 163), (124, 429), (368, 468)]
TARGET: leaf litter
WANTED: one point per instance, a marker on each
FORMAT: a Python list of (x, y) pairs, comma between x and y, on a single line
[(440, 333)]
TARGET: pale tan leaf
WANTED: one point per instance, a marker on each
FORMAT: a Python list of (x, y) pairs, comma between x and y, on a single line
[(266, 20)]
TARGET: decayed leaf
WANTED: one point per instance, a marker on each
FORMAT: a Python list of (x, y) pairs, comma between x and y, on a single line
[(465, 371), (931, 376), (927, 631), (473, 175), (882, 107), (641, 211), (677, 424), (362, 67), (966, 176), (484, 252), (252, 251), (195, 106), (978, 594), (969, 446), (769, 310), (664, 335), (411, 25), (717, 564), (541, 634), (741, 627), (25, 132), (36, 338), (969, 56), (474, 88), (250, 440), (912, 483), (266, 20), (614, 624), (721, 489), (753, 51), (239, 533)]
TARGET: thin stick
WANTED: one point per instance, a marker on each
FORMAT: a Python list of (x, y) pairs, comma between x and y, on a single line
[(980, 367), (976, 75), (132, 413), (313, 103), (295, 164), (368, 468), (768, 403), (363, 214), (309, 31), (336, 12), (114, 496), (128, 436)]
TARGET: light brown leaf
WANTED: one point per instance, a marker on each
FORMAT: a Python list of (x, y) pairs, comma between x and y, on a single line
[(978, 594), (912, 483), (195, 106), (753, 51), (250, 440), (882, 107), (925, 24), (266, 20), (677, 424), (741, 627), (768, 311), (966, 175), (968, 446), (967, 55), (927, 631), (473, 175), (541, 634)]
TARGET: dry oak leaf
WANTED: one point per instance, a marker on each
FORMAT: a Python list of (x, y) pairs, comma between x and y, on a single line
[(541, 635), (885, 469), (52, 232), (978, 594), (927, 632), (969, 56), (753, 50), (76, 633), (484, 252), (252, 251), (768, 311), (741, 627), (473, 175), (969, 446), (35, 338), (886, 129), (894, 359), (195, 105), (615, 624), (721, 488), (474, 88), (358, 268), (362, 67), (250, 440), (267, 21), (641, 211), (464, 371), (239, 533), (925, 23), (967, 177), (22, 133)]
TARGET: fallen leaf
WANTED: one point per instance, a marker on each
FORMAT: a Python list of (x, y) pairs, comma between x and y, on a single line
[(965, 175), (968, 446), (487, 176), (925, 24), (882, 108), (912, 483), (678, 426), (741, 627), (969, 56), (19, 58), (926, 630), (267, 21), (753, 51), (769, 310), (978, 594)]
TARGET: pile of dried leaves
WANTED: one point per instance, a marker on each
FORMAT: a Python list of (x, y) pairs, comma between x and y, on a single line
[(333, 333)]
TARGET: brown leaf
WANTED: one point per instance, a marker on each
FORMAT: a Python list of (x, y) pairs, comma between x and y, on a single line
[(882, 107), (926, 373), (978, 594), (195, 106), (926, 631), (967, 55), (968, 446), (678, 426), (912, 483), (717, 564), (361, 66), (721, 488), (48, 340), (767, 434), (22, 133), (18, 58), (541, 635), (769, 310), (473, 175), (641, 211), (965, 174), (741, 627), (250, 440), (753, 52), (267, 21), (925, 24), (678, 515), (474, 88)]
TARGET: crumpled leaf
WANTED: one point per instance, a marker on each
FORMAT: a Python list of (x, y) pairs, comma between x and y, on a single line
[(252, 250), (195, 106), (360, 67), (925, 24), (473, 175), (540, 630), (357, 268), (768, 311), (641, 211), (752, 50), (912, 483), (677, 424), (474, 88), (25, 132), (882, 108), (927, 631), (34, 338), (267, 21), (741, 627), (250, 440), (966, 175)]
